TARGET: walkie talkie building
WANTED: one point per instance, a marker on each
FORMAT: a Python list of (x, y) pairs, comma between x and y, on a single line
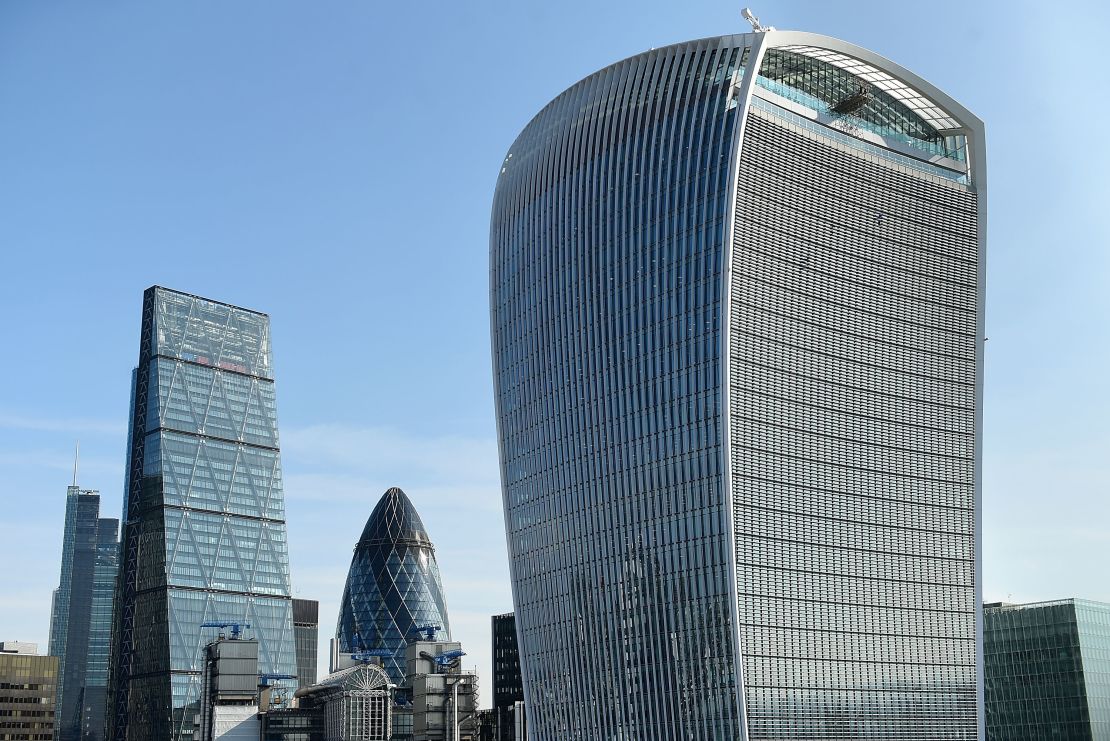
[(204, 538), (737, 322)]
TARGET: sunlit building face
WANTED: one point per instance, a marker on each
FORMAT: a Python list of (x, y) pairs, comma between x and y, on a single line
[(736, 312)]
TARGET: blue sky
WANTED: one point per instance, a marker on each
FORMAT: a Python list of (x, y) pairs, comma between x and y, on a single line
[(333, 163)]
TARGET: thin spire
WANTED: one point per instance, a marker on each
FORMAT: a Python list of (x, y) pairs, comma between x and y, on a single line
[(76, 459)]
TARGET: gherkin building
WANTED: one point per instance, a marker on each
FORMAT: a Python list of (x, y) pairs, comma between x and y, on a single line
[(393, 588)]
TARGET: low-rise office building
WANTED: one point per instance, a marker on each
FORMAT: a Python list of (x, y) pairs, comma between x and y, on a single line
[(1047, 670), (28, 687)]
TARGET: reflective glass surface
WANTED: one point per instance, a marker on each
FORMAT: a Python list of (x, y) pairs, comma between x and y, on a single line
[(850, 347), (606, 254), (822, 86), (71, 638), (1047, 669), (393, 586), (204, 536)]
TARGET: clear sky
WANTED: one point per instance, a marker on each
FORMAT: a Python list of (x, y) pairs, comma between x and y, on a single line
[(332, 164)]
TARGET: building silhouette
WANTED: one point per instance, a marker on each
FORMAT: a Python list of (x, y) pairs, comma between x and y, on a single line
[(508, 687), (306, 634), (737, 323), (92, 702), (204, 537), (1047, 670), (393, 591), (80, 620)]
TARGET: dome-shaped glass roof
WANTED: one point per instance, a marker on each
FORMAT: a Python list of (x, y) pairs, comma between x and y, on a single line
[(394, 520)]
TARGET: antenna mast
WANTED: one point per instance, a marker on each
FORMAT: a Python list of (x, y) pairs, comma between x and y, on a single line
[(76, 459), (749, 16)]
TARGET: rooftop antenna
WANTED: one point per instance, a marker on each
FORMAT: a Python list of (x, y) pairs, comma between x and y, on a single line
[(76, 458), (749, 16)]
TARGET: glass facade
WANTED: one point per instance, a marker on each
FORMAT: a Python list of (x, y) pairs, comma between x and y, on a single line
[(77, 629), (508, 688), (93, 705), (204, 536), (1047, 668), (393, 586), (306, 635), (737, 381)]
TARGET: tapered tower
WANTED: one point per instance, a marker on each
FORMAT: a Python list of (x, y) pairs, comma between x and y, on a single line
[(393, 587), (204, 536), (737, 323)]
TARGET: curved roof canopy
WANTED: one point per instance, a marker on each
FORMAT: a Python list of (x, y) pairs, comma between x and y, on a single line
[(916, 101)]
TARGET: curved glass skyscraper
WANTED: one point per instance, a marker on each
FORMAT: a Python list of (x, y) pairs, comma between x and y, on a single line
[(737, 316), (393, 587)]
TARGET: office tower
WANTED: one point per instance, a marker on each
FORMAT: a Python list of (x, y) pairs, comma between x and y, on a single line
[(204, 538), (737, 323), (93, 703), (1047, 670), (393, 590), (77, 626), (306, 639), (508, 688), (29, 684)]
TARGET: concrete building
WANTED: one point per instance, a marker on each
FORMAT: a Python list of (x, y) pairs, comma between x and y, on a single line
[(238, 703), (1047, 668), (737, 293), (229, 695), (444, 698), (28, 692)]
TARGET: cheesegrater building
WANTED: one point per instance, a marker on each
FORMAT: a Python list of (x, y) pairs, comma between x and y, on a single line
[(204, 538), (737, 322)]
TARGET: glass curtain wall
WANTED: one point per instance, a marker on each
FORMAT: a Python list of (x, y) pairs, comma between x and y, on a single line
[(606, 249), (204, 535), (393, 588)]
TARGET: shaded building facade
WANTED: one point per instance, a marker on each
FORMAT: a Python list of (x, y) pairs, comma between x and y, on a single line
[(737, 323), (393, 587), (81, 613), (1047, 671), (93, 701), (306, 636), (28, 692), (508, 687), (72, 604), (204, 536)]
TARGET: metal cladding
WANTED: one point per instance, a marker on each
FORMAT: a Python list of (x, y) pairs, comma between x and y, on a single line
[(393, 587), (736, 297)]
